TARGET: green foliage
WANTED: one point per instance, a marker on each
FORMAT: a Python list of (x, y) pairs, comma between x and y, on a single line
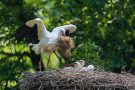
[(105, 34)]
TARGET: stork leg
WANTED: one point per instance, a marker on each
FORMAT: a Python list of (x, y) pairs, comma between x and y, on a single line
[(40, 62), (40, 65)]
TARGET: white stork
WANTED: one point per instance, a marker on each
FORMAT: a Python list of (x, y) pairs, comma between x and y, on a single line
[(48, 40), (43, 40)]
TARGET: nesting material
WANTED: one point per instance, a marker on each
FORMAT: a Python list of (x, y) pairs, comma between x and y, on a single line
[(65, 45), (75, 80)]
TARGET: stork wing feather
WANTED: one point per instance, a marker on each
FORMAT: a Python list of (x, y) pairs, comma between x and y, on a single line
[(41, 29), (71, 28), (29, 34), (68, 28)]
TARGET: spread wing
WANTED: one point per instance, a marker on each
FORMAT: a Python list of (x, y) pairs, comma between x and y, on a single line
[(27, 34), (67, 28)]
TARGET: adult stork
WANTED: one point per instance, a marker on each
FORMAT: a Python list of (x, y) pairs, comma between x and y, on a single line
[(40, 40)]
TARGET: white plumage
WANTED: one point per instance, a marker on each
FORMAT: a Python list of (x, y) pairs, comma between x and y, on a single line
[(76, 66), (48, 40), (79, 66), (82, 62), (88, 68)]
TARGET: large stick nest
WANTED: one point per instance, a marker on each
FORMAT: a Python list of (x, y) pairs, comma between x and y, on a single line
[(76, 80)]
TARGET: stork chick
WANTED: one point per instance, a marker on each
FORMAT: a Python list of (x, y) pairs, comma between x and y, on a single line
[(82, 62), (88, 68), (75, 66)]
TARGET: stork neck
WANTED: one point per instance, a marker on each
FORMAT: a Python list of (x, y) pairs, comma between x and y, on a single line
[(41, 27)]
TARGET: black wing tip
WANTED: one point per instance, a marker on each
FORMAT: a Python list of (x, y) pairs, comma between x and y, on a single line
[(24, 32)]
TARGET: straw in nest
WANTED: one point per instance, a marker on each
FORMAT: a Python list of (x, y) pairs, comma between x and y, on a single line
[(65, 45)]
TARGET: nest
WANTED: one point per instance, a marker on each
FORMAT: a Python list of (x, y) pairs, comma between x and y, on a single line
[(65, 45), (75, 80)]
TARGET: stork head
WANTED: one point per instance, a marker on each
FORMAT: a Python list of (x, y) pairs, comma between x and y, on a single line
[(72, 28), (32, 22), (82, 62), (62, 31), (77, 65)]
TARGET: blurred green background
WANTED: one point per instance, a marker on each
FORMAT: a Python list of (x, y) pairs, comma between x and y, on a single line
[(105, 33)]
